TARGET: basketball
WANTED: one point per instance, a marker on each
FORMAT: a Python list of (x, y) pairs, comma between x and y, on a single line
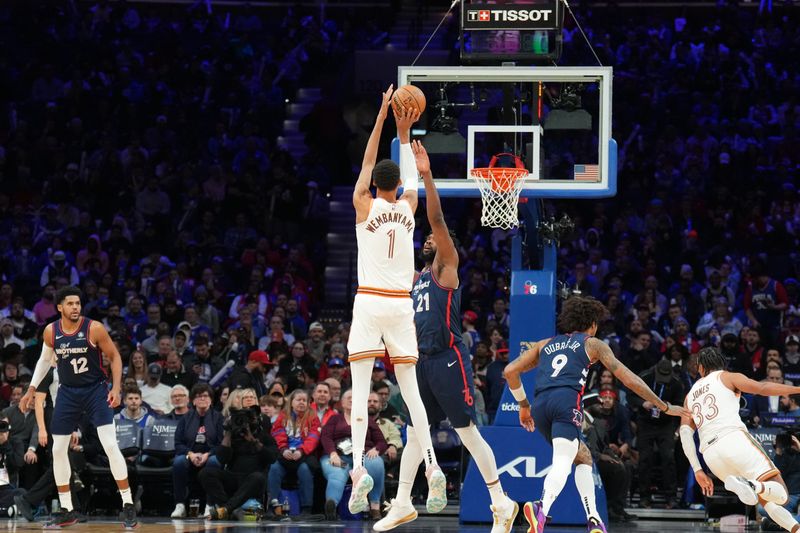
[(408, 96)]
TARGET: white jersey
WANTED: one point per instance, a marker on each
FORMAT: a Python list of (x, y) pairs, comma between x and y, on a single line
[(715, 409), (386, 247)]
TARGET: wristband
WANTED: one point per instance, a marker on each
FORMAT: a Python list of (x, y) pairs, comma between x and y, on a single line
[(518, 394)]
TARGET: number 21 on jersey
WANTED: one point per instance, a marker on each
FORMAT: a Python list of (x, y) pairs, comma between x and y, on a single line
[(423, 302)]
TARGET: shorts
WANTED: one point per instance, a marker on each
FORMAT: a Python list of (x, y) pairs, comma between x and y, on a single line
[(441, 378), (72, 402), (739, 454), (557, 414), (382, 324)]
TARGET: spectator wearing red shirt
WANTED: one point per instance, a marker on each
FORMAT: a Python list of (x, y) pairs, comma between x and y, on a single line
[(296, 431)]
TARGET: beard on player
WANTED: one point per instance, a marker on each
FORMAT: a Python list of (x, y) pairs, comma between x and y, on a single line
[(427, 254), (428, 251)]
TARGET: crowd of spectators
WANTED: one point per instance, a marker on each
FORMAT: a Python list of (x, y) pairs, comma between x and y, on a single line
[(138, 161)]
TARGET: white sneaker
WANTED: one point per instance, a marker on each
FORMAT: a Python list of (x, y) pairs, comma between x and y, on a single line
[(437, 489), (207, 512), (179, 512), (396, 515), (742, 488), (504, 516), (362, 484)]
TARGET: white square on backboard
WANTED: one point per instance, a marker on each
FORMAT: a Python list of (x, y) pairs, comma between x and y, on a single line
[(472, 129)]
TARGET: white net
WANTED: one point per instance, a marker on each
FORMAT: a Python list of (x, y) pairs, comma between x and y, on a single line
[(500, 189)]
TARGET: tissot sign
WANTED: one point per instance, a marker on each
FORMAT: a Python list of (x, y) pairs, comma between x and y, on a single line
[(540, 16)]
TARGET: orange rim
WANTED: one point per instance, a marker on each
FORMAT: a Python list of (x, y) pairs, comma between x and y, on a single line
[(500, 179)]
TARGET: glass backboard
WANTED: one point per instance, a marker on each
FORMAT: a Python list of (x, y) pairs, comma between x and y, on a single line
[(556, 119)]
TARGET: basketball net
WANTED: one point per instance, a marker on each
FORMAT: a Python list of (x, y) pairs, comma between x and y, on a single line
[(500, 189)]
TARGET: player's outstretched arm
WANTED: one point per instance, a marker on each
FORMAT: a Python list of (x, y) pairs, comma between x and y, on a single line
[(361, 194), (446, 253), (408, 166), (690, 450), (102, 340), (46, 360), (740, 382), (598, 350)]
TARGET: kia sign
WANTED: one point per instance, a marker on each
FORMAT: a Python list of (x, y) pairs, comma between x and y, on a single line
[(523, 461), (539, 16)]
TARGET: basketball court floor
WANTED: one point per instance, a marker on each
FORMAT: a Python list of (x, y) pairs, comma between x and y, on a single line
[(422, 525)]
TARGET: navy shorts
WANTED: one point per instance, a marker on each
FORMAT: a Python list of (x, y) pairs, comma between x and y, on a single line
[(441, 378), (72, 402), (557, 414)]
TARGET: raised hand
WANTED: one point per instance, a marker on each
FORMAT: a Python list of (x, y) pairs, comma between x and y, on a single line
[(387, 99), (405, 118), (421, 157)]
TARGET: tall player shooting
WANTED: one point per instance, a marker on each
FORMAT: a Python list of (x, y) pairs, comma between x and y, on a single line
[(75, 345), (444, 372), (383, 315), (564, 362), (727, 447)]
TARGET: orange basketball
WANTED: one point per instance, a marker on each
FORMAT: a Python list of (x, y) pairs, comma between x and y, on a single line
[(408, 96)]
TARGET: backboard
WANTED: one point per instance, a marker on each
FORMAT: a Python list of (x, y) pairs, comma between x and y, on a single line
[(557, 119)]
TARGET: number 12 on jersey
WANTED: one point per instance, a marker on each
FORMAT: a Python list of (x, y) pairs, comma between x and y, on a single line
[(80, 365)]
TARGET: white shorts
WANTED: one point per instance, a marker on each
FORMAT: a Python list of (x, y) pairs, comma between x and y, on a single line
[(383, 322), (738, 454)]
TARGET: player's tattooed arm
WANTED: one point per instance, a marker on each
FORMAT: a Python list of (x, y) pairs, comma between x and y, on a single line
[(525, 362), (599, 351)]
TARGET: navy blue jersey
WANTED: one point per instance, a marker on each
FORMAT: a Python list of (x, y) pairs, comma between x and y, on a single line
[(563, 363), (437, 314), (80, 362)]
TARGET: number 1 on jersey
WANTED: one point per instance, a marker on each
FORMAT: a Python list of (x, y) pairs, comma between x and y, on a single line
[(391, 234)]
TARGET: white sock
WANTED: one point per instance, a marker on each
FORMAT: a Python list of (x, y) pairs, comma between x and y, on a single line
[(584, 481), (484, 459), (499, 499), (772, 491), (409, 465), (781, 516), (361, 375), (407, 380), (564, 452), (126, 496), (65, 499)]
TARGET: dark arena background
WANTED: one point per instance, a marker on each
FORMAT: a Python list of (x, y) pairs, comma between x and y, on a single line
[(190, 167)]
